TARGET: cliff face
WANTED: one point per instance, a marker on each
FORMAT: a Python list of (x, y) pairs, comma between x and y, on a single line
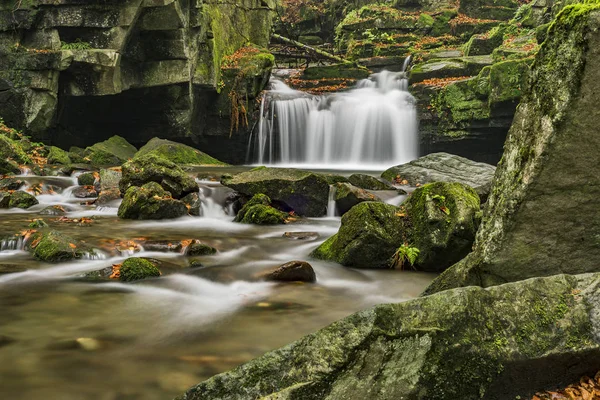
[(73, 72)]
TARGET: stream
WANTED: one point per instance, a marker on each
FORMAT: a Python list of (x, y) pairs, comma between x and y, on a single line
[(64, 336)]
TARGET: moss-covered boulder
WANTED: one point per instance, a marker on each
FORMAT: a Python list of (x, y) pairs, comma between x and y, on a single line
[(469, 343), (11, 155), (53, 246), (369, 182), (152, 168), (444, 167), (113, 151), (447, 68), (86, 179), (347, 196), (18, 199), (57, 155), (197, 248), (178, 153), (135, 269), (258, 211), (303, 192), (150, 201), (370, 234), (442, 222), (541, 217)]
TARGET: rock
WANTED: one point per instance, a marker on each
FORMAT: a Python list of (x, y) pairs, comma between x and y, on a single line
[(37, 224), (113, 151), (194, 203), (301, 235), (83, 192), (445, 68), (178, 153), (442, 222), (197, 248), (11, 184), (54, 246), (370, 234), (55, 210), (541, 217), (4, 199), (107, 196), (467, 343), (347, 196), (150, 201), (109, 179), (151, 168), (259, 211), (58, 156), (86, 179), (369, 182), (135, 268), (444, 167), (293, 271), (20, 199), (303, 192)]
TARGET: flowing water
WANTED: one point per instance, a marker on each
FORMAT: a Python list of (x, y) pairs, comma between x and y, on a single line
[(65, 337), (374, 125)]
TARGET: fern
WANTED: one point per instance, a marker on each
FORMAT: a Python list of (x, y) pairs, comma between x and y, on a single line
[(405, 255), (78, 44)]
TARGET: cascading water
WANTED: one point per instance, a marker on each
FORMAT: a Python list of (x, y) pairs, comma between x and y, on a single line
[(373, 125)]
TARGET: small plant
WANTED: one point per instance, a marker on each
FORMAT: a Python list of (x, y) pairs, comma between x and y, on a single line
[(440, 201), (405, 255), (78, 44)]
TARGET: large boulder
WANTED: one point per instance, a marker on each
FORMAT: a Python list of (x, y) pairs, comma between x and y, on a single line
[(151, 168), (150, 201), (541, 218), (18, 199), (54, 246), (11, 155), (444, 167), (347, 196), (369, 182), (303, 192), (178, 153), (113, 151), (135, 268), (258, 211), (469, 343), (57, 155)]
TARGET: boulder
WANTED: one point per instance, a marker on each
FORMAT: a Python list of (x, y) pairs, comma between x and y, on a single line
[(347, 196), (58, 156), (444, 167), (293, 271), (18, 199), (11, 156), (109, 179), (54, 246), (151, 168), (303, 192), (134, 269), (150, 201), (86, 179), (83, 192), (55, 210), (107, 196), (197, 248), (369, 182), (113, 151), (258, 211), (193, 203), (469, 343), (541, 218), (178, 153), (11, 184)]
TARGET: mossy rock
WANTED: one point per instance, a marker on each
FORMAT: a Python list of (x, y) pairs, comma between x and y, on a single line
[(303, 192), (347, 196), (369, 182), (370, 234), (54, 246), (152, 168), (21, 199), (178, 153), (135, 269), (258, 211), (58, 156), (448, 68), (150, 201), (197, 248), (12, 155), (113, 151), (507, 80), (86, 179)]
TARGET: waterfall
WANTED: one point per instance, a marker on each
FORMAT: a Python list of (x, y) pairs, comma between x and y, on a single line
[(372, 125), (331, 206)]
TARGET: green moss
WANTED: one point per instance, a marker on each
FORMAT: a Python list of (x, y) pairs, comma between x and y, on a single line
[(178, 153), (258, 211), (53, 246), (21, 199), (134, 269), (150, 201), (113, 151), (58, 156)]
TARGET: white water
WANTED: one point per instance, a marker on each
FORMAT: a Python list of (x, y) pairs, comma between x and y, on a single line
[(371, 126), (331, 206)]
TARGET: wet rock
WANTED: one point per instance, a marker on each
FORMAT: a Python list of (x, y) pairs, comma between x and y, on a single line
[(54, 246), (467, 343), (369, 182), (293, 271), (301, 235), (150, 201), (11, 184), (347, 196), (135, 268), (178, 153), (17, 199), (58, 156), (113, 151), (304, 192), (55, 210), (38, 223), (151, 168), (166, 246), (259, 211), (107, 196), (98, 275), (109, 179), (83, 192), (11, 156), (444, 167), (197, 248), (194, 204), (86, 179)]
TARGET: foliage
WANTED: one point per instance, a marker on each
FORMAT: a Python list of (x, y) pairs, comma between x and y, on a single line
[(78, 44), (296, 10), (405, 255), (586, 388)]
